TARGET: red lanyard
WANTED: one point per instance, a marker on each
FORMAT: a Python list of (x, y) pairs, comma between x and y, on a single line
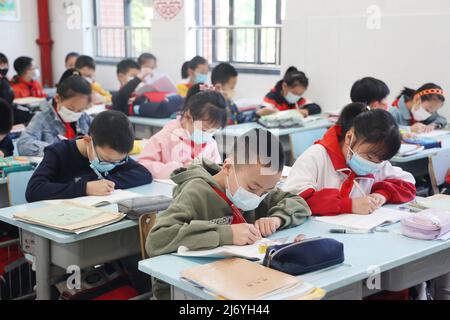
[(238, 218)]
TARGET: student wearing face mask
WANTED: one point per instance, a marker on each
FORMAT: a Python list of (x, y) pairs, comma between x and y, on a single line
[(224, 78), (417, 110), (233, 204), (195, 71), (150, 104), (65, 119), (94, 165), (86, 66), (26, 83), (188, 137), (348, 170), (289, 94)]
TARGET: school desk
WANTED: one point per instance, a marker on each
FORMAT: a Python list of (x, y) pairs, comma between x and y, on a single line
[(419, 164), (401, 262), (147, 127), (54, 248), (289, 137)]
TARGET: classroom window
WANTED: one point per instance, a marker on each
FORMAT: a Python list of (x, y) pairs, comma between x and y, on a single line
[(246, 32), (122, 28)]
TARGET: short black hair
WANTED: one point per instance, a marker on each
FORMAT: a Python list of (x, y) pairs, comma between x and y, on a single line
[(85, 61), (21, 64), (369, 90), (378, 127), (145, 57), (72, 55), (73, 86), (259, 146), (121, 139), (294, 77), (223, 73), (3, 58), (349, 114), (207, 106), (192, 65), (125, 65), (6, 117)]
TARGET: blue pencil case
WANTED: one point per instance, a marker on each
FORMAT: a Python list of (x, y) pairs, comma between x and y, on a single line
[(305, 257)]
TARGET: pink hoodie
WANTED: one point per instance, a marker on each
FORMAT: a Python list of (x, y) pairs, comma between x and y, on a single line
[(172, 148)]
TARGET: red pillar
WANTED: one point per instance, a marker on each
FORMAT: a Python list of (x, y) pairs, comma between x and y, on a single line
[(45, 43)]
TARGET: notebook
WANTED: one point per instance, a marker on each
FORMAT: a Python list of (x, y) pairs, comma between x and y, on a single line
[(238, 279), (407, 150), (30, 101), (98, 201), (367, 223), (439, 202), (254, 252), (157, 83), (70, 217), (434, 134)]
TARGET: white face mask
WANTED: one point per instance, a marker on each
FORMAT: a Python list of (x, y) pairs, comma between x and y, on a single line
[(243, 199), (420, 114), (292, 98), (37, 74), (68, 116)]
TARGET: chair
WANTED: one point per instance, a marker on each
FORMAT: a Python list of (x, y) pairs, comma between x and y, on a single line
[(303, 140), (146, 223), (438, 166), (17, 185)]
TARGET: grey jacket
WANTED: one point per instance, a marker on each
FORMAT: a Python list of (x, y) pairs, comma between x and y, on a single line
[(403, 116)]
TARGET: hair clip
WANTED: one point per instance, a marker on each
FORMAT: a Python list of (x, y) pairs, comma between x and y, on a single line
[(431, 92), (206, 87)]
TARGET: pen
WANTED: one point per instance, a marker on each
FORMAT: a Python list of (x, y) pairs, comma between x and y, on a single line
[(347, 231), (360, 188)]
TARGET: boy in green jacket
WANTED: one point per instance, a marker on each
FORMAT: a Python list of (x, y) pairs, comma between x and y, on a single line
[(233, 204)]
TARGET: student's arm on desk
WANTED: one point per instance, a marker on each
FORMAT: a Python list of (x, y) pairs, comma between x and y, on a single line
[(120, 102), (184, 224), (130, 175), (396, 185), (42, 185), (291, 209)]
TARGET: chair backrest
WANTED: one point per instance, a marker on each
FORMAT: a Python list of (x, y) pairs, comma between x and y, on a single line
[(438, 168), (303, 140), (17, 186), (146, 223)]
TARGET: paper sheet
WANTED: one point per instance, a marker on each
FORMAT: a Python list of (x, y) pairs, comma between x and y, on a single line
[(366, 222), (439, 202), (434, 134), (96, 201)]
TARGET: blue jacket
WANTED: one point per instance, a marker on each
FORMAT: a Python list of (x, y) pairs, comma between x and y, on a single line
[(403, 116), (45, 129), (64, 173)]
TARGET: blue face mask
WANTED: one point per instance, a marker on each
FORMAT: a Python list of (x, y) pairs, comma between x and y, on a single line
[(101, 167), (201, 78), (201, 137), (243, 199), (361, 166)]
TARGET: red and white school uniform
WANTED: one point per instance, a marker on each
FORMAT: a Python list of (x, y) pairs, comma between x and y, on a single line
[(322, 177)]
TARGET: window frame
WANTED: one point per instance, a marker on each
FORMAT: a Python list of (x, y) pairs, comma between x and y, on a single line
[(246, 67)]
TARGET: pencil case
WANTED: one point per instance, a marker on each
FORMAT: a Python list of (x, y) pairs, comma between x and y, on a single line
[(305, 256), (426, 225), (136, 207)]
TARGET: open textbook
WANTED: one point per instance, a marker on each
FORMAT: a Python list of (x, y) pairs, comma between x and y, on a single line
[(255, 251), (367, 223), (239, 279), (70, 217), (157, 83), (98, 201)]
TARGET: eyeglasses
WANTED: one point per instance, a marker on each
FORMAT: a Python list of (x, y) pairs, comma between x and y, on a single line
[(106, 163)]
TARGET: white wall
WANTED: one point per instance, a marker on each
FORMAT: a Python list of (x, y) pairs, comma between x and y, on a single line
[(330, 40), (18, 38)]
